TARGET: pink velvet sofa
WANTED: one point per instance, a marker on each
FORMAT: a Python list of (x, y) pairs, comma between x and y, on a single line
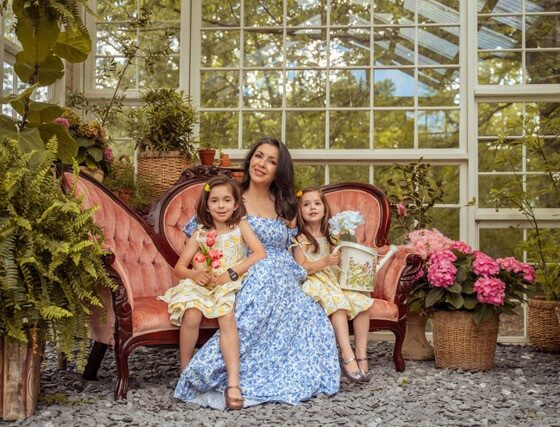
[(142, 253)]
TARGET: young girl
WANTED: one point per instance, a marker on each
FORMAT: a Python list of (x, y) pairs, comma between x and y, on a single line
[(313, 252), (211, 294)]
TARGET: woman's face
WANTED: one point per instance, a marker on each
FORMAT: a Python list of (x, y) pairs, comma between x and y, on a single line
[(263, 164)]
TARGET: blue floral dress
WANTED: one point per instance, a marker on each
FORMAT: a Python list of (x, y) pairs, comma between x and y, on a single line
[(287, 345)]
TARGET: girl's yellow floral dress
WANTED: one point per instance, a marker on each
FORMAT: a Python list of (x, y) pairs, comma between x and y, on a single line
[(214, 302), (323, 286)]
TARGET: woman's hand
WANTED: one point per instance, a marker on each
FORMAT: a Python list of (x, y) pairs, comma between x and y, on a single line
[(201, 277), (332, 259)]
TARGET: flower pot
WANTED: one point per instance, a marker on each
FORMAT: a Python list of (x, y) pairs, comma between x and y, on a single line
[(163, 169), (542, 325), (20, 377), (225, 161), (459, 343), (96, 174), (415, 345), (207, 157)]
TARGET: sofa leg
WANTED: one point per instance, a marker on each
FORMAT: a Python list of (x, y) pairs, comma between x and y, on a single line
[(94, 361), (397, 350), (121, 388)]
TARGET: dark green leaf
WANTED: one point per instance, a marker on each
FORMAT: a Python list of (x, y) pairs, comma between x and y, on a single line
[(434, 296)]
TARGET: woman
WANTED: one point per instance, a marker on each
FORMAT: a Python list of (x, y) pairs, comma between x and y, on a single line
[(287, 346)]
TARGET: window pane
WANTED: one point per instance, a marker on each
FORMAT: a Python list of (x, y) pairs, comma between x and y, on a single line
[(349, 13), (260, 13), (350, 88), (438, 129), (258, 124), (220, 48), (542, 6), (500, 68), (263, 48), (446, 220), (306, 13), (503, 118), (163, 73), (438, 87), (111, 38), (306, 48), (219, 88), (447, 12), (349, 129), (540, 187), (542, 31), (393, 46), (222, 13), (349, 47), (122, 10), (491, 156), (449, 174), (341, 173), (108, 70), (542, 67), (393, 88), (263, 89), (393, 129), (220, 127), (486, 183), (438, 45), (309, 176), (164, 10), (305, 88), (547, 146), (500, 6), (394, 12), (501, 242), (305, 129), (499, 32)]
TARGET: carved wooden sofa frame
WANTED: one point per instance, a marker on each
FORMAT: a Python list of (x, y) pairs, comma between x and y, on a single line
[(142, 253)]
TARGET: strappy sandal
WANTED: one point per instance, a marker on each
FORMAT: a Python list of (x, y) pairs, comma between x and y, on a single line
[(355, 377), (233, 403), (366, 376)]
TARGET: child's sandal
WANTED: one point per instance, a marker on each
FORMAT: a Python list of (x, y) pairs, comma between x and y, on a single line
[(366, 376), (233, 403)]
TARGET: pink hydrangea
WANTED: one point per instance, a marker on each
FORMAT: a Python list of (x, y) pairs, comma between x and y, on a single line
[(462, 247), (108, 154), (63, 121), (484, 265), (442, 274), (443, 255), (528, 273), (401, 210), (490, 290), (424, 242), (510, 264)]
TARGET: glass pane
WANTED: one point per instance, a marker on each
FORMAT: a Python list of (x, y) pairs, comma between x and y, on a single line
[(9, 24), (309, 176), (438, 87), (305, 129), (438, 45), (8, 80), (108, 70), (512, 325), (122, 10), (306, 13), (219, 48), (163, 37), (341, 173), (499, 32), (220, 127), (263, 49), (393, 46), (542, 6), (219, 88), (257, 124), (394, 12), (499, 118), (501, 242), (449, 174), (499, 157), (540, 187), (259, 13), (541, 31), (263, 89), (123, 147), (486, 183), (438, 129), (163, 73), (542, 67), (349, 129), (305, 88), (446, 220), (306, 48), (164, 10), (447, 12), (547, 146), (351, 13), (116, 130), (499, 68), (500, 6), (393, 129), (350, 88), (392, 88), (349, 47), (112, 38), (221, 13)]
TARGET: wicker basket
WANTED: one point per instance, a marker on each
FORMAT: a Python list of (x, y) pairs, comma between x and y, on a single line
[(459, 343), (543, 328), (163, 169)]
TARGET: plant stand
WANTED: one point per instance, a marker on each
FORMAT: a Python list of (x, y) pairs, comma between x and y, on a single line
[(543, 328), (415, 345), (20, 377)]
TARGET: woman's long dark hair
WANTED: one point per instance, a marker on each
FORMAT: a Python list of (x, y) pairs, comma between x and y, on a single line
[(282, 188), (325, 228)]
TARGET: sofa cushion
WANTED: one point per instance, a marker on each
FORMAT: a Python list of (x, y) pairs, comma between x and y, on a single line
[(384, 310), (177, 212)]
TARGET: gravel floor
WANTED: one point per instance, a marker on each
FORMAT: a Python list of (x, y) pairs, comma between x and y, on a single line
[(523, 389)]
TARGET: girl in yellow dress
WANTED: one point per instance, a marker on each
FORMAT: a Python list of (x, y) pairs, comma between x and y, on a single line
[(209, 290), (313, 251)]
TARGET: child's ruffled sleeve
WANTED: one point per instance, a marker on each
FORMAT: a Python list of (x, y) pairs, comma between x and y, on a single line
[(190, 226)]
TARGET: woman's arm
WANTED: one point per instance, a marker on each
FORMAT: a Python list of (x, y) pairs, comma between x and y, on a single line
[(257, 253), (182, 267), (315, 266)]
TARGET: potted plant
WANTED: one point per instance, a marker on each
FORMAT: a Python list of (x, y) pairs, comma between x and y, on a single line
[(163, 130), (466, 291), (51, 272), (223, 159), (542, 244), (206, 153)]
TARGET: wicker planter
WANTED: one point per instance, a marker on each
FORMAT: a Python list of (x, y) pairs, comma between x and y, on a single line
[(415, 345), (163, 169), (543, 328), (20, 377), (460, 344)]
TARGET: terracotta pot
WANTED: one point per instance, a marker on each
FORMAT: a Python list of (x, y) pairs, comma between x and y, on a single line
[(96, 174), (207, 157), (415, 345), (238, 175), (542, 325), (225, 161)]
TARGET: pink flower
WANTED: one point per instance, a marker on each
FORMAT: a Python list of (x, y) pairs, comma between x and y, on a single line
[(490, 290), (108, 155), (528, 273), (424, 242), (462, 247), (215, 255), (443, 255), (216, 263), (401, 210), (199, 257), (484, 265), (63, 121), (442, 274), (210, 242), (510, 264), (212, 234)]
